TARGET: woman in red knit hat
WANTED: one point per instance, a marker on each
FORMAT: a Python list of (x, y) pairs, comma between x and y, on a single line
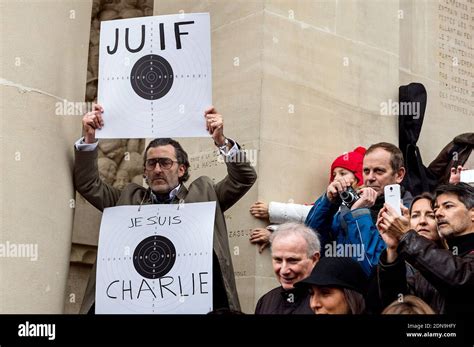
[(346, 229), (347, 166)]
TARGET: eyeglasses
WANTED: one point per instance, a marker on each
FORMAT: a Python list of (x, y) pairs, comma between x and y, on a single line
[(165, 163)]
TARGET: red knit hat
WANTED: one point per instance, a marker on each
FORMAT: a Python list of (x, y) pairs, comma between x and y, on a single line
[(351, 161)]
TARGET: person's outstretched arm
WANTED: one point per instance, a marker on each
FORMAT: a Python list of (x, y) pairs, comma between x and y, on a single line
[(86, 173)]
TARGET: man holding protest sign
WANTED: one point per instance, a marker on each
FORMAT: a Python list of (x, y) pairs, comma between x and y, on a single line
[(165, 170)]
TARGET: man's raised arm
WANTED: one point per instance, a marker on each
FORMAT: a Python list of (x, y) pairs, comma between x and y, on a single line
[(240, 174), (86, 172)]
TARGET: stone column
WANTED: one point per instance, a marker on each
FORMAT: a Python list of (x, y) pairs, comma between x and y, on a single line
[(297, 91), (237, 45), (120, 160), (437, 49), (44, 47)]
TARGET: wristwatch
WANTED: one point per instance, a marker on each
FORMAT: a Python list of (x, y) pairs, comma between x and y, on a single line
[(224, 146)]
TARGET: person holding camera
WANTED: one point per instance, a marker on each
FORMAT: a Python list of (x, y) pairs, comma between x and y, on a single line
[(348, 165), (345, 216), (331, 214)]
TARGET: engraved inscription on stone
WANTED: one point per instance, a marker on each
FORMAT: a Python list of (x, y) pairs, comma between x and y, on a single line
[(204, 160), (240, 273), (239, 233), (456, 55)]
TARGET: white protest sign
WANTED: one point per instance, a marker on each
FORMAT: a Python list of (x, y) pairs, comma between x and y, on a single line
[(155, 76), (156, 259)]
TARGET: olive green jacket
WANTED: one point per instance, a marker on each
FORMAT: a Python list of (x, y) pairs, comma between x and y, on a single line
[(240, 178)]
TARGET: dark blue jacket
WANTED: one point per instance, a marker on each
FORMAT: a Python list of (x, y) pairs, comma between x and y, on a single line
[(346, 233)]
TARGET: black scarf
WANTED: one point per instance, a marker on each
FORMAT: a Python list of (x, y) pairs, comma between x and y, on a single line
[(462, 244), (161, 198)]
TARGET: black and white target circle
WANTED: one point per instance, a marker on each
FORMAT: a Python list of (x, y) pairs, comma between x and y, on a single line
[(151, 77), (154, 257)]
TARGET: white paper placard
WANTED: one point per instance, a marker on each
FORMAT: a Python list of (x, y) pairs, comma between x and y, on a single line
[(156, 260), (155, 76)]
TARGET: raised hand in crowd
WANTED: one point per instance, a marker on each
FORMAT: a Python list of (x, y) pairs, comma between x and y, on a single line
[(261, 236), (215, 125), (455, 174), (392, 227), (367, 197), (259, 210), (91, 121), (338, 186)]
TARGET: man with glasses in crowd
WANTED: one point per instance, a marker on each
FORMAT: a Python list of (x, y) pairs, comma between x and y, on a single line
[(165, 170), (449, 271)]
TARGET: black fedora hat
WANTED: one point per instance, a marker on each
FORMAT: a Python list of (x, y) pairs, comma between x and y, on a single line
[(341, 272)]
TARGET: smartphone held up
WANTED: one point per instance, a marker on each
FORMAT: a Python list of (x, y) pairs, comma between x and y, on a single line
[(392, 197)]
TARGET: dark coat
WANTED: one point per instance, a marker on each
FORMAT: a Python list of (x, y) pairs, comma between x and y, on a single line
[(444, 280), (280, 301), (453, 154), (419, 178)]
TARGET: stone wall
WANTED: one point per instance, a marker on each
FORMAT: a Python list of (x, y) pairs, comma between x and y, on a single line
[(298, 82), (303, 81), (120, 161), (43, 63)]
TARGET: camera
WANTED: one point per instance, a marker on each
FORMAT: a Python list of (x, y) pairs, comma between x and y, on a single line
[(349, 197)]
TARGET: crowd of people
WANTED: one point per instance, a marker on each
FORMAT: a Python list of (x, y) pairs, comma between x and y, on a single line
[(348, 253), (419, 261)]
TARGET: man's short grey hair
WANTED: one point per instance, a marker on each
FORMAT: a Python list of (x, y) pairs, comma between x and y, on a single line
[(311, 236)]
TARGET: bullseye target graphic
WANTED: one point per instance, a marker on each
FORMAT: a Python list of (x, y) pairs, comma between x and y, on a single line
[(151, 77), (154, 257), (155, 76)]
